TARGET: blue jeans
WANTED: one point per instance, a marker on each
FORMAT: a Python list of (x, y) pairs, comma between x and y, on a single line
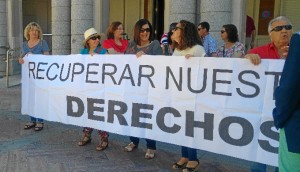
[(33, 119), (151, 144), (259, 167), (189, 153)]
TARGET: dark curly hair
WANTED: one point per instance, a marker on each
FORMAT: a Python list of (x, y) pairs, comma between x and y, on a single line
[(137, 27), (113, 27), (189, 36), (232, 32)]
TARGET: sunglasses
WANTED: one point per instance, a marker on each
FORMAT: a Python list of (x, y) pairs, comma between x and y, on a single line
[(95, 37), (176, 28), (145, 30), (222, 31), (279, 28)]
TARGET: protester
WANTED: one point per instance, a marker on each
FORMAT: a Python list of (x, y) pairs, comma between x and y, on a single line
[(287, 111), (231, 46), (34, 44), (166, 42), (280, 32), (250, 33), (92, 46), (187, 44), (143, 44), (115, 44), (209, 43)]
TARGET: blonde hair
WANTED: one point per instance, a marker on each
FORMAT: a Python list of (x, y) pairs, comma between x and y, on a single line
[(29, 27)]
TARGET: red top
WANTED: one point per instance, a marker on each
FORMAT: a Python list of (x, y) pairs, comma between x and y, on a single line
[(249, 26), (267, 51), (110, 43)]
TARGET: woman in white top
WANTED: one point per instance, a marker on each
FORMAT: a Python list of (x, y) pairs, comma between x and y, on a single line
[(188, 44)]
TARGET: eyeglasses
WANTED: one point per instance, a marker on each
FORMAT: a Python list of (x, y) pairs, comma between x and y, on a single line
[(176, 28), (145, 30), (222, 31), (279, 28), (95, 37)]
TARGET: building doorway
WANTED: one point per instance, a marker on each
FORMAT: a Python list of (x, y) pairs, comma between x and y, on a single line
[(38, 11), (158, 18)]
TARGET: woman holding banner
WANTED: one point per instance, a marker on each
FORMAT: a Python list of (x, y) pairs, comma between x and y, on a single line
[(143, 44), (34, 45), (92, 46), (187, 44)]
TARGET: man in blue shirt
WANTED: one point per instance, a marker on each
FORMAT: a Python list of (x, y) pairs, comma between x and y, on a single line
[(209, 43)]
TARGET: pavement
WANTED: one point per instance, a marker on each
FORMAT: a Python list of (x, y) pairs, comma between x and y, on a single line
[(55, 149)]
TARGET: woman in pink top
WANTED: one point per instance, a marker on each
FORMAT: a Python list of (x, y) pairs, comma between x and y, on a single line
[(115, 44)]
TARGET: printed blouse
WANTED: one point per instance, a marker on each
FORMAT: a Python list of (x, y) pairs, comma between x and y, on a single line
[(232, 51)]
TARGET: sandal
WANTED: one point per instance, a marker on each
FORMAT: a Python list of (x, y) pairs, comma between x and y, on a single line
[(29, 125), (177, 166), (149, 154), (195, 168), (103, 145), (180, 164), (130, 147), (39, 126), (86, 139)]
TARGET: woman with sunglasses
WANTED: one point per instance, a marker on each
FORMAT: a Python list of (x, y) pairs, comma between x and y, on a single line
[(34, 45), (187, 44), (115, 44), (231, 46), (92, 46), (143, 44)]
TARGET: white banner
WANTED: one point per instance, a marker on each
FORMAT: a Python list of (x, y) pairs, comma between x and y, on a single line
[(221, 105)]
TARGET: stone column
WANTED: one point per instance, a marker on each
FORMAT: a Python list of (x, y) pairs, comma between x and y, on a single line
[(3, 26), (101, 15), (81, 20), (182, 10), (61, 27), (238, 18), (198, 12), (14, 24), (3, 36), (14, 34), (216, 13)]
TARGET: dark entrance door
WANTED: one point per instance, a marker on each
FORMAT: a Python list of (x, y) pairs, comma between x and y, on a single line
[(158, 18)]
